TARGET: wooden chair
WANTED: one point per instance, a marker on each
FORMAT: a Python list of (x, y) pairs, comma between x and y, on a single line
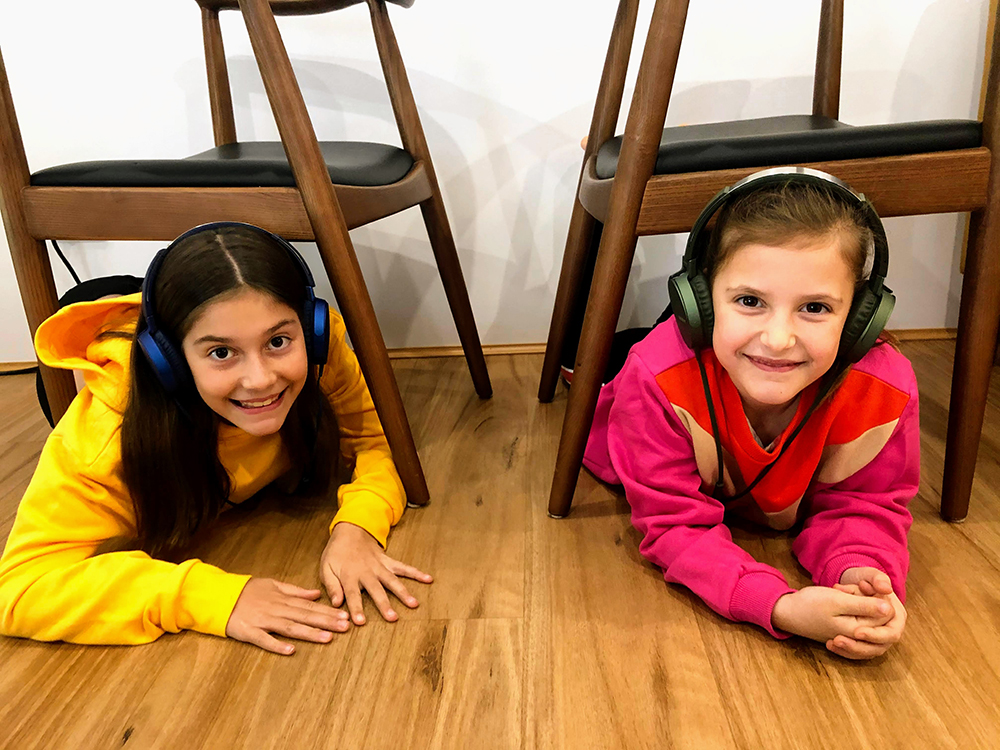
[(662, 178), (286, 187)]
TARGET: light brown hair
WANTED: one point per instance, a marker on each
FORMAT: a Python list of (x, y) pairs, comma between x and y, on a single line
[(791, 214)]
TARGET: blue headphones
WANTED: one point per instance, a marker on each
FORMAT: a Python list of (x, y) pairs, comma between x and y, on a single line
[(167, 359)]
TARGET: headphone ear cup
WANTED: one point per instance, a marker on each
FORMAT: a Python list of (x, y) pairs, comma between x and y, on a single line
[(169, 365), (869, 313), (703, 298), (319, 336), (691, 302)]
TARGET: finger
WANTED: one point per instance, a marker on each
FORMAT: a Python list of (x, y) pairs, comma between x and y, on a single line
[(333, 588), (300, 632), (871, 607), (374, 588), (848, 588), (866, 588), (885, 635), (882, 584), (333, 623), (319, 615), (852, 649), (297, 591), (396, 587), (407, 571), (352, 593), (268, 642)]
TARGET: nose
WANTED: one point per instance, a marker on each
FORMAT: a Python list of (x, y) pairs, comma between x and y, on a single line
[(778, 333), (257, 376)]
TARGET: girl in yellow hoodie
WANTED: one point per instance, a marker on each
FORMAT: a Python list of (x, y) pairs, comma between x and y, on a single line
[(226, 375)]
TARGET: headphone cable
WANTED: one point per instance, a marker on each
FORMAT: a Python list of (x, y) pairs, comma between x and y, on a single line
[(820, 397)]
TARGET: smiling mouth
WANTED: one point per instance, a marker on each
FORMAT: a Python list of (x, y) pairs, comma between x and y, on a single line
[(773, 365), (259, 405)]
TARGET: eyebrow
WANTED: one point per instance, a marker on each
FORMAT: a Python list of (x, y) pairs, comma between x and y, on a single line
[(810, 297), (223, 340)]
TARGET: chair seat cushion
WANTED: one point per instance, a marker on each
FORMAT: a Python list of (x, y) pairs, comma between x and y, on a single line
[(252, 164), (792, 139)]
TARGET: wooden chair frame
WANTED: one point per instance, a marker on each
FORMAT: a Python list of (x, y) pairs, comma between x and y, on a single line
[(640, 203), (314, 210)]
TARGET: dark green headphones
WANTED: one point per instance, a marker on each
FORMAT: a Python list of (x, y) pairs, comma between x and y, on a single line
[(691, 294)]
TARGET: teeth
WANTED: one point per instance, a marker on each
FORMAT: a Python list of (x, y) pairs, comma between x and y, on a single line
[(258, 404)]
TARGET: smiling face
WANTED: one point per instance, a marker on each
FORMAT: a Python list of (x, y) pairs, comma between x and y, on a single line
[(779, 313), (247, 353)]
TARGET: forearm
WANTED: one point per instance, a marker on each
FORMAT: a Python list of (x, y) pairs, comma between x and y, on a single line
[(718, 571), (117, 598)]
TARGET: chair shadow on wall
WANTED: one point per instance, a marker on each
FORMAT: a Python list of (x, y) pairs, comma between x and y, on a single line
[(392, 252)]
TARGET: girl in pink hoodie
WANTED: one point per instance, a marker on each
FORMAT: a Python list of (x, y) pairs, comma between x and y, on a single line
[(759, 400)]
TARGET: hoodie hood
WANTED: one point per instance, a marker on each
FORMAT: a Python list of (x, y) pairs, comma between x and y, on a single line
[(70, 340)]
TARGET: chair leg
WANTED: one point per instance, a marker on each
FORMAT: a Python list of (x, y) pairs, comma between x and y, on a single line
[(339, 258), (29, 256), (40, 300), (374, 360), (978, 321), (443, 245), (572, 290), (614, 259)]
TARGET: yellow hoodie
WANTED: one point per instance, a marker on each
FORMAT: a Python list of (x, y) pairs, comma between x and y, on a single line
[(56, 584)]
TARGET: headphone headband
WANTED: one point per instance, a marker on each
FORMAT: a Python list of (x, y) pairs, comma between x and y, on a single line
[(799, 175)]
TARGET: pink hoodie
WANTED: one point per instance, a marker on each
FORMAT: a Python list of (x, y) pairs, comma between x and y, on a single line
[(848, 476)]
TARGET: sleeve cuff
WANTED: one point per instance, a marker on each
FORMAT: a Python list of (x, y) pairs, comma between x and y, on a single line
[(836, 566), (369, 519), (208, 598), (754, 598)]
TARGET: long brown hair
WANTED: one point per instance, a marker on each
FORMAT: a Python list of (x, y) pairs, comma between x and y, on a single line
[(170, 455)]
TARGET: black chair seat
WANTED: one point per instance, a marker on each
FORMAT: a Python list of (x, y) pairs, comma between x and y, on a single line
[(253, 164), (792, 139)]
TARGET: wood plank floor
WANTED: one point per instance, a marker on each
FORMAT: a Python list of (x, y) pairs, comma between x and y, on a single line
[(537, 633)]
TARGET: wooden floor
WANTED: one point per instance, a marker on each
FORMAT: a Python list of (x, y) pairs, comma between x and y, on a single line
[(537, 633)]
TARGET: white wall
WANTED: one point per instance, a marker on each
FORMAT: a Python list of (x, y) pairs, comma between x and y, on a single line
[(505, 91)]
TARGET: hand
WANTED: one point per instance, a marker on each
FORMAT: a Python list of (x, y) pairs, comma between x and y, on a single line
[(822, 613), (869, 642), (352, 561), (267, 606)]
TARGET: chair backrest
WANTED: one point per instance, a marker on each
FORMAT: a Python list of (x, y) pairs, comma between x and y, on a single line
[(401, 97)]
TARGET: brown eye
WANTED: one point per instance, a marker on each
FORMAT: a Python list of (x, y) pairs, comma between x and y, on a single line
[(279, 342), (220, 353), (748, 300), (816, 308)]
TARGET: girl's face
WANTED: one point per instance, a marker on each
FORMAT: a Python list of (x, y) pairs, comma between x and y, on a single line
[(779, 313), (247, 354)]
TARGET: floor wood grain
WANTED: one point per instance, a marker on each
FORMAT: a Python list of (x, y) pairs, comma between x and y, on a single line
[(536, 633)]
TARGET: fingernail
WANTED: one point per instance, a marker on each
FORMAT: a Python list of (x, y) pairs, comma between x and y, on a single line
[(391, 613), (360, 619), (883, 608), (342, 615)]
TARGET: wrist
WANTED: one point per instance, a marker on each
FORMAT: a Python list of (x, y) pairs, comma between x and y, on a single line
[(351, 531), (781, 613)]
